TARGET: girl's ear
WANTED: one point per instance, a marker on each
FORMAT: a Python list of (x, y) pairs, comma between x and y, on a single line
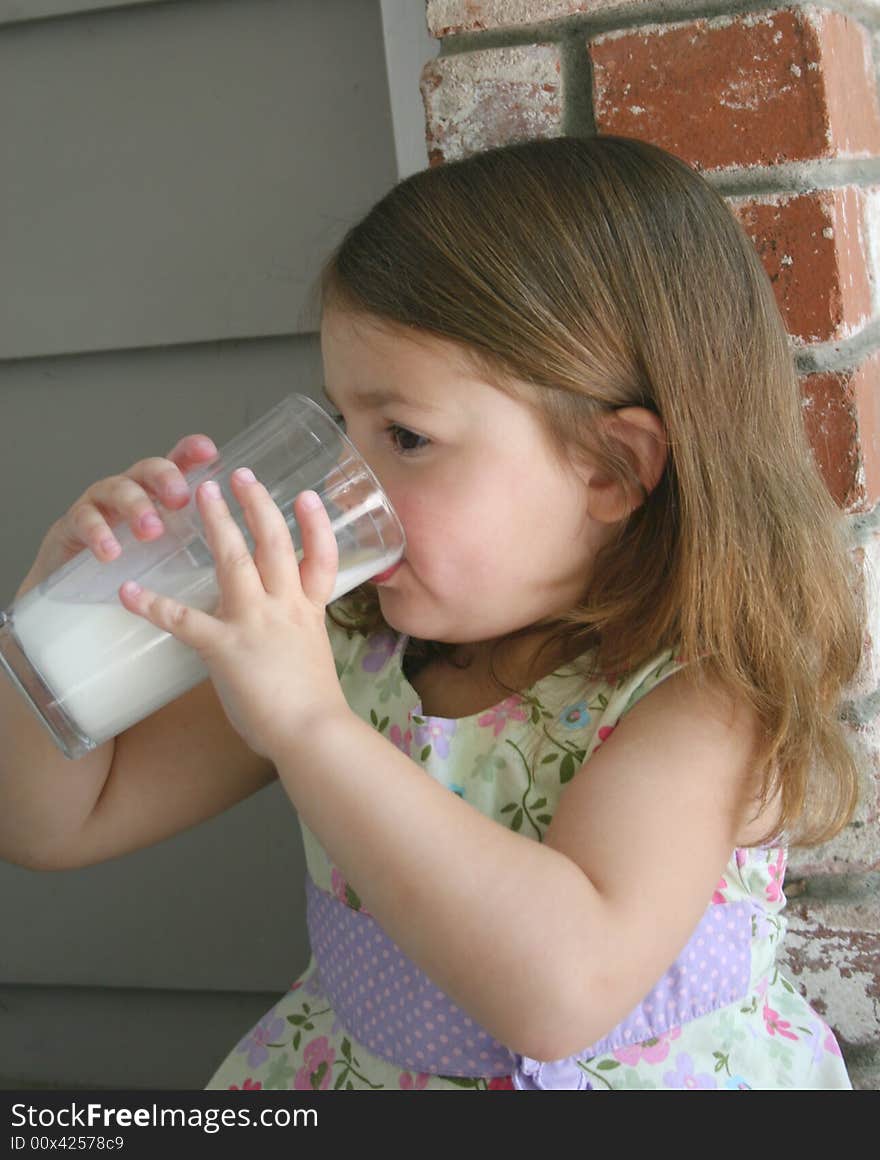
[(643, 432)]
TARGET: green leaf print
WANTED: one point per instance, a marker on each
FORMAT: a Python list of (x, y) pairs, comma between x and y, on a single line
[(318, 1075), (550, 757), (539, 804), (351, 898), (566, 768), (423, 756), (389, 685), (545, 819), (516, 822), (346, 1049), (607, 1065)]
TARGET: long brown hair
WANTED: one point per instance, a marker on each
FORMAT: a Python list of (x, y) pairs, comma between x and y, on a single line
[(603, 272)]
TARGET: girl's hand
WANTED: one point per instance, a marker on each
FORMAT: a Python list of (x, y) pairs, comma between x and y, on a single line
[(266, 647), (132, 497)]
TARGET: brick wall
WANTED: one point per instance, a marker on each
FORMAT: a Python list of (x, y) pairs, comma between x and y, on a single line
[(778, 108)]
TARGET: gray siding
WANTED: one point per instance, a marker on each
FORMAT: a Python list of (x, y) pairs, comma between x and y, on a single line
[(173, 175)]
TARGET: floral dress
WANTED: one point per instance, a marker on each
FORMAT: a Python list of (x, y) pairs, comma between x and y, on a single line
[(363, 1016)]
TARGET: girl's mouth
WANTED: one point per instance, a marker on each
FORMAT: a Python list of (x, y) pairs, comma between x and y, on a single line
[(383, 576)]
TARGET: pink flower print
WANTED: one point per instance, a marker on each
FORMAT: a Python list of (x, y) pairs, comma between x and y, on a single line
[(684, 1077), (831, 1044), (410, 1084), (718, 896), (344, 892), (742, 856), (269, 1029), (382, 645), (773, 889), (775, 1025), (650, 1050), (575, 716), (317, 1069), (295, 986), (249, 1085), (605, 732), (402, 740), (435, 732), (512, 709)]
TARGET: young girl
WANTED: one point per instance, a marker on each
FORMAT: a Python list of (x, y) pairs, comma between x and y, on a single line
[(548, 768)]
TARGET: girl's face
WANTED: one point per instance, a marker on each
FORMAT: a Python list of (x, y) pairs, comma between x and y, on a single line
[(498, 534)]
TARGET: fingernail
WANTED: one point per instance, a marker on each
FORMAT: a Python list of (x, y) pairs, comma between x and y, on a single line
[(311, 500), (110, 547), (245, 475), (211, 489), (130, 588)]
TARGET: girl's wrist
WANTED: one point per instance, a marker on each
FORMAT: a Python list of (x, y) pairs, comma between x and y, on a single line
[(311, 735)]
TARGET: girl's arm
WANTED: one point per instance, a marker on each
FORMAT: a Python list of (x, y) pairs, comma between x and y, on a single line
[(547, 946)]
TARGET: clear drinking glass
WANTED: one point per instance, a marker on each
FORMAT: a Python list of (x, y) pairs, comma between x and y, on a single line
[(90, 668)]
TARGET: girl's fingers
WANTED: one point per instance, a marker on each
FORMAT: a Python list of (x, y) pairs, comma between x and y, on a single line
[(320, 563), (237, 575), (274, 553), (190, 626)]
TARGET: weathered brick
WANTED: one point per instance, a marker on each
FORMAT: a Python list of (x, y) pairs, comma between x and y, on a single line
[(478, 100), (754, 89), (831, 953), (866, 556), (451, 17), (856, 850), (842, 420), (817, 253)]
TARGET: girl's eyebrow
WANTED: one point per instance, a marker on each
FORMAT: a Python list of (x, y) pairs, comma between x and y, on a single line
[(380, 396)]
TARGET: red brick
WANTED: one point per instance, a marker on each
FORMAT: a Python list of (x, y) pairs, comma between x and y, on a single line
[(815, 250), (831, 953), (757, 89), (477, 100), (842, 421)]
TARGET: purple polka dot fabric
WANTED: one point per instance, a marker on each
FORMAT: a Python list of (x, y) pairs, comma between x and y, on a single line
[(713, 970), (390, 1005)]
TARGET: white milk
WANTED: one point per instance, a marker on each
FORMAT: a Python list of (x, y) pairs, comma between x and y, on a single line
[(108, 668)]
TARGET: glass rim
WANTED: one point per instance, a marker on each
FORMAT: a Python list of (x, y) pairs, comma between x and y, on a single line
[(380, 490)]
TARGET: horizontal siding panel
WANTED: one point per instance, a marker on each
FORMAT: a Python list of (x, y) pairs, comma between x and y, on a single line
[(176, 173), (12, 11), (179, 914), (106, 1040)]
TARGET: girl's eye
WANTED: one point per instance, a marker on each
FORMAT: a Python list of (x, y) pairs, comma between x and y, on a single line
[(405, 435), (398, 436)]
